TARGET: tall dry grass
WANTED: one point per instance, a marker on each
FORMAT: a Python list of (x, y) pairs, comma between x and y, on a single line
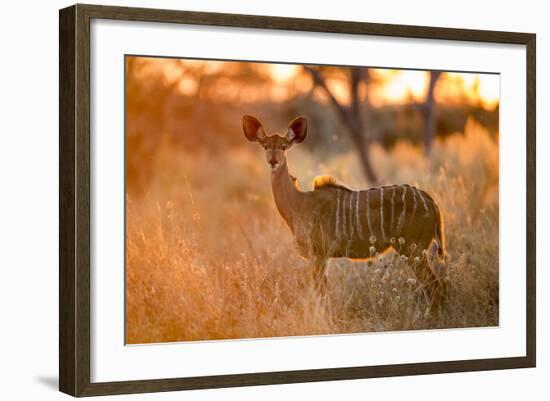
[(209, 257)]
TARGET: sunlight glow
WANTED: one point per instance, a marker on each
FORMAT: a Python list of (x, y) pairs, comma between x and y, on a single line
[(482, 88), (386, 86), (398, 87), (283, 72)]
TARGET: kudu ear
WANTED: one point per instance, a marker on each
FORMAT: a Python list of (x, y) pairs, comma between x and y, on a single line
[(297, 130), (253, 129)]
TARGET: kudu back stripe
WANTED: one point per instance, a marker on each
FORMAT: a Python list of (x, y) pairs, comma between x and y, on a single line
[(357, 215), (337, 220), (377, 218), (382, 212)]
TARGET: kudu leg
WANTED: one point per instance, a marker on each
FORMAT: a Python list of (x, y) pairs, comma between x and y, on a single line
[(320, 275), (430, 271)]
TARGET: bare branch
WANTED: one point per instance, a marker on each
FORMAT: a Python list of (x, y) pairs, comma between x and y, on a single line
[(350, 116), (354, 91), (320, 81)]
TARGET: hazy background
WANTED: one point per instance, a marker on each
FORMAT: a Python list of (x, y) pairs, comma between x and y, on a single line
[(208, 255)]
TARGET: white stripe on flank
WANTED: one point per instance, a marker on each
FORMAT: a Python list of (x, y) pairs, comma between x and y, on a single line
[(337, 222), (351, 224), (414, 191), (402, 216), (344, 216), (423, 201), (392, 207), (382, 214), (436, 237), (368, 214), (357, 217)]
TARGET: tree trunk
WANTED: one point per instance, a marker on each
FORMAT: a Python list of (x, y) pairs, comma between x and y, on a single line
[(363, 152), (356, 126), (429, 113), (351, 117)]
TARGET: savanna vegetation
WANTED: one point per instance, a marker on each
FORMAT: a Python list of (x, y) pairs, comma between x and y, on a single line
[(209, 257)]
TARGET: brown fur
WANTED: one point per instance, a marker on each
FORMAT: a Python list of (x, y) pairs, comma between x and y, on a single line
[(324, 181), (335, 221)]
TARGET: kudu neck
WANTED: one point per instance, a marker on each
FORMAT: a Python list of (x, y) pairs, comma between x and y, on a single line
[(288, 198)]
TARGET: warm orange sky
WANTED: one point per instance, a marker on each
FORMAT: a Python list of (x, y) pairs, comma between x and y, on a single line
[(400, 86), (388, 86)]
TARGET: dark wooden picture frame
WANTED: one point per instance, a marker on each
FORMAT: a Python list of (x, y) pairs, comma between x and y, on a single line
[(74, 200)]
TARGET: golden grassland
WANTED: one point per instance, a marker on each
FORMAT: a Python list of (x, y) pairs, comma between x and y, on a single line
[(209, 257)]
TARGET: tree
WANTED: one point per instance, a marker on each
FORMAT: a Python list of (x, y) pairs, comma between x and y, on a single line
[(428, 111), (350, 115)]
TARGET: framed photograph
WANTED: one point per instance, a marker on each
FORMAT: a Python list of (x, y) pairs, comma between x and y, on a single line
[(250, 200)]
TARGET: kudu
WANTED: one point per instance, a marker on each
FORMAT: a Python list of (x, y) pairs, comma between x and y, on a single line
[(334, 221)]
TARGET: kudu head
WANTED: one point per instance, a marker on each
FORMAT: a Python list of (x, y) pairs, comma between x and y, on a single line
[(275, 145)]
